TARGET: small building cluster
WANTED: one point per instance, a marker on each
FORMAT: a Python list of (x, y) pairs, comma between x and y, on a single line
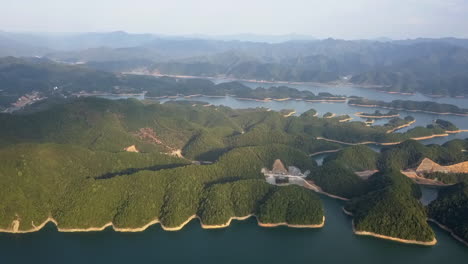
[(28, 99), (280, 175)]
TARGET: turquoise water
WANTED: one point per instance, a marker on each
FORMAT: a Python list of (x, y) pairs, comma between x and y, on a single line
[(242, 242)]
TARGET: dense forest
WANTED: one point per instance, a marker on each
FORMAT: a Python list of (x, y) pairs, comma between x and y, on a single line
[(356, 158), (391, 208), (387, 202), (410, 153), (426, 106), (143, 188), (378, 114), (447, 178), (201, 132), (191, 159), (451, 209), (336, 179)]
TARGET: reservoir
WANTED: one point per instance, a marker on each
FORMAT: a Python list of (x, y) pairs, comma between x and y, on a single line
[(422, 119), (242, 242)]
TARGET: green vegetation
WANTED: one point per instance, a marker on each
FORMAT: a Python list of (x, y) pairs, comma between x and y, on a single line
[(81, 199), (286, 111), (410, 153), (426, 106), (334, 178), (51, 79), (446, 125), (397, 122), (67, 160), (451, 209), (356, 158), (448, 178), (292, 205), (378, 114), (202, 133), (357, 132), (336, 175), (391, 208)]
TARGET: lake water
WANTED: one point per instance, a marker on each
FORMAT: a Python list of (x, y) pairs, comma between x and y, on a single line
[(356, 91), (245, 242), (422, 119), (242, 242)]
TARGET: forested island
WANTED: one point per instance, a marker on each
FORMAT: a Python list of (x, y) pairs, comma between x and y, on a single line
[(416, 106), (378, 114), (108, 162)]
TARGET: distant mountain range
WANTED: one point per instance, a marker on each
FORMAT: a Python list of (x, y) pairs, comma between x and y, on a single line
[(430, 66)]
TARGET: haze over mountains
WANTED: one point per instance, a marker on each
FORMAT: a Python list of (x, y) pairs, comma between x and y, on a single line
[(431, 66)]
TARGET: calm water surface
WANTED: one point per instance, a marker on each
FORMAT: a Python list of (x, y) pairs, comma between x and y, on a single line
[(245, 242), (422, 119), (363, 92)]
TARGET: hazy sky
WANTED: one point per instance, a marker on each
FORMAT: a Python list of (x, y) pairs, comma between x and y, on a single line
[(349, 19)]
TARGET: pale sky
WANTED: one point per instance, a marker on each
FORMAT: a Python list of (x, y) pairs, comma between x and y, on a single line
[(348, 19)]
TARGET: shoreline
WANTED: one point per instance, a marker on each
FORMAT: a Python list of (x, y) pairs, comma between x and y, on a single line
[(414, 110), (444, 227), (264, 100), (291, 225), (345, 120), (15, 225), (363, 115), (312, 186), (456, 131), (395, 239), (383, 143), (329, 84), (421, 180), (400, 127), (290, 113), (336, 83)]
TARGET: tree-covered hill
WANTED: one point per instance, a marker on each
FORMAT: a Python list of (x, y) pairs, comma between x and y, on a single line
[(451, 209), (200, 132), (337, 179), (424, 106), (63, 182), (356, 158), (67, 160), (410, 153), (391, 208)]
